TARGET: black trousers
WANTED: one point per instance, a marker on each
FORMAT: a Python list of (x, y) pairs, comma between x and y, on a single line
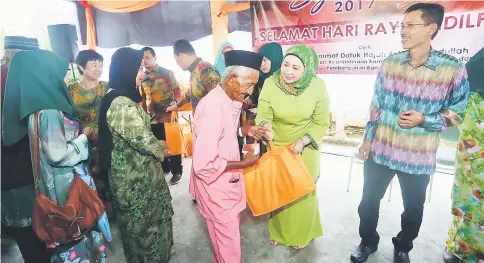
[(31, 248), (414, 187), (173, 163)]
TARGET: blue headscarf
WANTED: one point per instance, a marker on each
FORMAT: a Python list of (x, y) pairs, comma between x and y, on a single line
[(220, 61)]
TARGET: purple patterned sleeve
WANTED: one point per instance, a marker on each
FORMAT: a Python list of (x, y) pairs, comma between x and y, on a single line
[(455, 104)]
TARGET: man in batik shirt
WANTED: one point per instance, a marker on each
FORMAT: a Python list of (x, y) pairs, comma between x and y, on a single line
[(161, 89), (204, 77), (418, 94)]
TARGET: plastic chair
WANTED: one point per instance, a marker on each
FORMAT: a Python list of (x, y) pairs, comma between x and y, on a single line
[(355, 158), (445, 156)]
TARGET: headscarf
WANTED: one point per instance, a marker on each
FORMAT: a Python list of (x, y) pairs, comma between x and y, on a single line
[(220, 61), (475, 72), (16, 157), (273, 52), (14, 44), (123, 70), (35, 82), (310, 61)]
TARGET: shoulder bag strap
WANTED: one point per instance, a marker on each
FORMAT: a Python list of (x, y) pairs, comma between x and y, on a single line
[(36, 153)]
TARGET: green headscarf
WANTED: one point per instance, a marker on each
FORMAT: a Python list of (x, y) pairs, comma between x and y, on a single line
[(35, 82), (310, 61), (273, 52)]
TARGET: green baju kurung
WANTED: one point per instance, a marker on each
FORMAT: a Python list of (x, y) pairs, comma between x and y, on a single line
[(143, 198), (293, 117)]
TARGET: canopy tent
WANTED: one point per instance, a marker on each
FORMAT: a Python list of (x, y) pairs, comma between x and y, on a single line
[(158, 25)]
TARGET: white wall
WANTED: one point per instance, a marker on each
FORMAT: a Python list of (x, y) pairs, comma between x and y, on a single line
[(30, 18)]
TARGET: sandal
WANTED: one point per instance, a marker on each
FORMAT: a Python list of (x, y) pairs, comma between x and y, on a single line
[(299, 247), (273, 242)]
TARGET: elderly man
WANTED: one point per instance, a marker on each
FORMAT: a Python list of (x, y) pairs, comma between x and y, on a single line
[(216, 180), (18, 192)]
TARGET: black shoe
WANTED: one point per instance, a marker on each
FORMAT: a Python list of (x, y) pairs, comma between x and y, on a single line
[(175, 179), (400, 257), (361, 253), (450, 258)]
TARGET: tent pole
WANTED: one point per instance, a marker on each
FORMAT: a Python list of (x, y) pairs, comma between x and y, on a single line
[(220, 29)]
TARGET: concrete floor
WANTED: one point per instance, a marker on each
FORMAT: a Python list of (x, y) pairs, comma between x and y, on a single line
[(339, 218)]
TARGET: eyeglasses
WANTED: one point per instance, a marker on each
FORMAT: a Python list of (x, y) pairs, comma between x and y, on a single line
[(410, 25)]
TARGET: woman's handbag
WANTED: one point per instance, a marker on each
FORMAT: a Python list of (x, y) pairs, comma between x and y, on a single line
[(279, 178), (81, 212)]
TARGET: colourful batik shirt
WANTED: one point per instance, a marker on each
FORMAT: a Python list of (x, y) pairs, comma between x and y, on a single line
[(88, 103), (439, 89), (161, 88), (204, 78)]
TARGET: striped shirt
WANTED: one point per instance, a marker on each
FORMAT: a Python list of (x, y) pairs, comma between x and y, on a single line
[(439, 89)]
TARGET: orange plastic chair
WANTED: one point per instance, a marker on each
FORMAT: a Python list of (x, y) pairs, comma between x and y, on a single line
[(279, 178)]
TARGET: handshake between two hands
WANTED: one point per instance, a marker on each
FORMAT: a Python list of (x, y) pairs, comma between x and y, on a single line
[(259, 132)]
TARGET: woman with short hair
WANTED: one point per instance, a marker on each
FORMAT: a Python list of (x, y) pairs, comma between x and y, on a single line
[(87, 95)]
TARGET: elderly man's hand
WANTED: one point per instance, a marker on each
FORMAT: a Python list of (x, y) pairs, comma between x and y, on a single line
[(257, 132)]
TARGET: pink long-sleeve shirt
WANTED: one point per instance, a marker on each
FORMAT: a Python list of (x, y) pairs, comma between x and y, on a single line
[(214, 144)]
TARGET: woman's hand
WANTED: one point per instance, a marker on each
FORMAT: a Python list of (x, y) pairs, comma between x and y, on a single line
[(165, 146), (89, 132), (298, 147), (269, 133)]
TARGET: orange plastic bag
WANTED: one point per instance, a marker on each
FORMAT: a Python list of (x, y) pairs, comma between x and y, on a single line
[(174, 135), (279, 178)]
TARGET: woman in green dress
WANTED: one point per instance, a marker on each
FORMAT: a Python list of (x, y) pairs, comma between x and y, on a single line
[(133, 156), (294, 103), (466, 234)]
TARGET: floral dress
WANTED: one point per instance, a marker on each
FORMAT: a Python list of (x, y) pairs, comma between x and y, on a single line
[(62, 149), (87, 104), (466, 235)]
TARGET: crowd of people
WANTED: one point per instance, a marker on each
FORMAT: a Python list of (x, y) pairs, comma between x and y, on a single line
[(112, 135)]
